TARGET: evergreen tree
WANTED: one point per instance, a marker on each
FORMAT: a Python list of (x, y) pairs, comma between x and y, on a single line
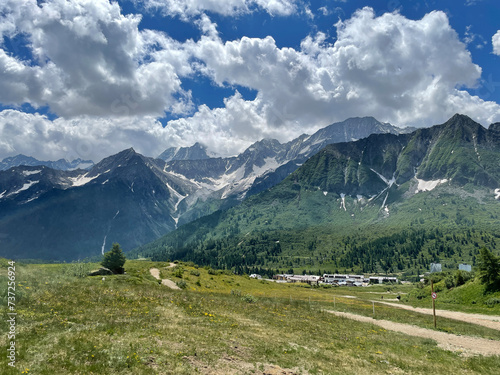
[(489, 268), (114, 259)]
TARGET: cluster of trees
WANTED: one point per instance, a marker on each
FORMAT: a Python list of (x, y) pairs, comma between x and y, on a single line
[(409, 250)]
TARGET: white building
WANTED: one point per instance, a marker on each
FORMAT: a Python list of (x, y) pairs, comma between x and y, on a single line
[(382, 279), (465, 267)]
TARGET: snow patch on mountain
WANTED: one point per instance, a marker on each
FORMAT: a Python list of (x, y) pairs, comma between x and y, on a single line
[(26, 186), (304, 150), (29, 173), (180, 198), (270, 164), (82, 180), (385, 200), (390, 182), (103, 244), (342, 204), (428, 185)]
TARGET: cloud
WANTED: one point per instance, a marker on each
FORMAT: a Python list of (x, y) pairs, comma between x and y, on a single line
[(398, 70), (83, 137), (496, 43), (89, 59), (186, 9), (109, 81)]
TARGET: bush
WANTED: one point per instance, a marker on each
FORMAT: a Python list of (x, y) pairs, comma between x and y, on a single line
[(492, 301), (249, 298), (181, 284), (178, 272), (211, 271), (235, 292), (449, 282), (114, 259), (195, 273), (461, 277)]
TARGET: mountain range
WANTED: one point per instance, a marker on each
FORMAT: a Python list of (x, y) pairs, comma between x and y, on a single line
[(64, 214), (61, 164), (388, 202)]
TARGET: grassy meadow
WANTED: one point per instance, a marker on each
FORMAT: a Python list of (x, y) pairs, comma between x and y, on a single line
[(219, 323)]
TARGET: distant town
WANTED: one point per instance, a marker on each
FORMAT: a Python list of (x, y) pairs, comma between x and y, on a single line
[(332, 279), (350, 280)]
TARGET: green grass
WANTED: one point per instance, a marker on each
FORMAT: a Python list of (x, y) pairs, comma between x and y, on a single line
[(129, 324)]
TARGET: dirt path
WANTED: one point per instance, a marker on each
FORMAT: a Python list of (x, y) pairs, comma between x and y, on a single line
[(490, 321), (155, 272), (466, 345)]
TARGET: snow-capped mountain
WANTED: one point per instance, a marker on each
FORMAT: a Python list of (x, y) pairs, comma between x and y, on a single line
[(195, 152), (355, 204), (53, 214), (132, 199), (61, 164), (226, 181)]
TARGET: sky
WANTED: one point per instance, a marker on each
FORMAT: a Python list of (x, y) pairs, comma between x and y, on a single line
[(89, 78)]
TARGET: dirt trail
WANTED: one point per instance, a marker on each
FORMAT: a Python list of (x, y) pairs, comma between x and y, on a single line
[(490, 321), (465, 344), (155, 272)]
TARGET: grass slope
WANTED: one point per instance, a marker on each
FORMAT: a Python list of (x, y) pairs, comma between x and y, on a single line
[(220, 323)]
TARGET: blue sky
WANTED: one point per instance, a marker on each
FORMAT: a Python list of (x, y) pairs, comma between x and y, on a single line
[(82, 78)]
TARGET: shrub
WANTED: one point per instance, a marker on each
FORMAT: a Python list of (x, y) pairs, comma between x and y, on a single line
[(492, 301), (178, 272), (249, 298), (461, 277), (181, 284), (198, 282), (235, 292), (195, 273), (449, 282), (211, 271)]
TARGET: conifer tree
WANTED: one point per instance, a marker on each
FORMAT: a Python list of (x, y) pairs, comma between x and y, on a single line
[(114, 259), (489, 268)]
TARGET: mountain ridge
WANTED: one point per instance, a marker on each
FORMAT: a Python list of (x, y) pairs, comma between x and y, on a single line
[(348, 188), (61, 164), (133, 199)]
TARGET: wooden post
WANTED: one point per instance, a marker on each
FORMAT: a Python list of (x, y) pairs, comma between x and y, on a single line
[(433, 303)]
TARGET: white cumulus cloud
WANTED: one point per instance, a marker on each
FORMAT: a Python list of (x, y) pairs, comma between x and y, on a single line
[(190, 8), (82, 137), (496, 43), (399, 70), (89, 59), (109, 81)]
